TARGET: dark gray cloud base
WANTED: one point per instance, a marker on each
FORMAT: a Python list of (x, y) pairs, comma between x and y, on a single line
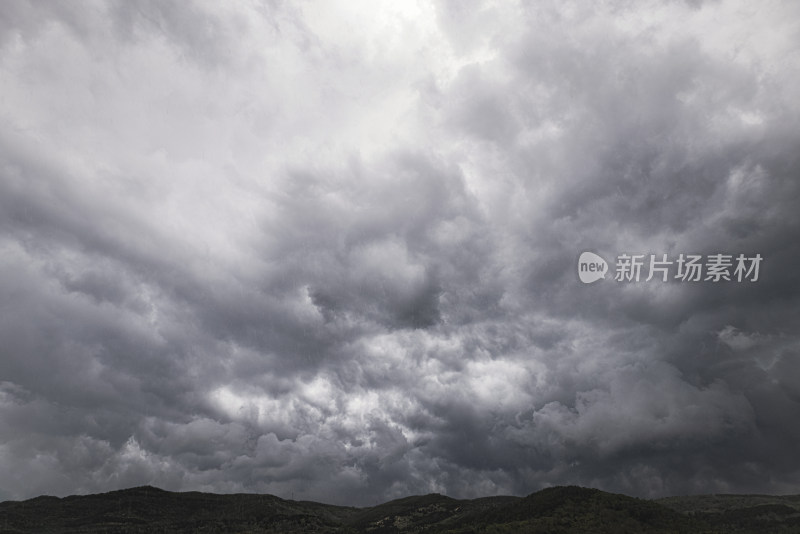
[(331, 251)]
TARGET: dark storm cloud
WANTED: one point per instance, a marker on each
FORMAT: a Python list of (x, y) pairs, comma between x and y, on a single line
[(332, 251)]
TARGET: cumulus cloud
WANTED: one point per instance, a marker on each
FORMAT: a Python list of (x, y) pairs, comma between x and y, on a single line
[(330, 251)]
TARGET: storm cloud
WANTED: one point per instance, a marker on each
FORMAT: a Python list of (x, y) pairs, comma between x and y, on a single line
[(329, 251)]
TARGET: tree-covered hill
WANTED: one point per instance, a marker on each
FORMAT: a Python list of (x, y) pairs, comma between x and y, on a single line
[(553, 510)]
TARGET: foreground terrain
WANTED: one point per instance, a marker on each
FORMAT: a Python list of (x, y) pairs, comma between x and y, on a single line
[(553, 510)]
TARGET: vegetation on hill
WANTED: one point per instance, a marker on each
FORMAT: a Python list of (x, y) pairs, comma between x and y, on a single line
[(751, 514), (553, 511)]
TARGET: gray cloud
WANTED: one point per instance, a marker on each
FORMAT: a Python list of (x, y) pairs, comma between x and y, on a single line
[(330, 251)]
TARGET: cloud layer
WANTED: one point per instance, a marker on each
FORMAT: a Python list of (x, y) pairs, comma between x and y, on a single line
[(330, 251)]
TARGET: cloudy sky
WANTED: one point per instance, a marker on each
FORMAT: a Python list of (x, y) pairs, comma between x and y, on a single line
[(329, 250)]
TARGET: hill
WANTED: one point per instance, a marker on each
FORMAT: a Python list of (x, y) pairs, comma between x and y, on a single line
[(553, 511), (751, 514), (148, 509)]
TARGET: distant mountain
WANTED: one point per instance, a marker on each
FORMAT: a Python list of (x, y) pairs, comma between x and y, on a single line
[(553, 511), (742, 513), (148, 509)]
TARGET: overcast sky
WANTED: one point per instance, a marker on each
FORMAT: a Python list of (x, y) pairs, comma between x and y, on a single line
[(329, 250)]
